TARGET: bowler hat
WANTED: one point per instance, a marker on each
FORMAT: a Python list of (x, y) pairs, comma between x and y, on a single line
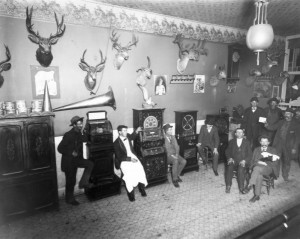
[(75, 119), (254, 99), (273, 99), (166, 127), (290, 110)]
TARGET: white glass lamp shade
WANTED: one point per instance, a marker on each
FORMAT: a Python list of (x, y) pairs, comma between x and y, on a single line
[(260, 37)]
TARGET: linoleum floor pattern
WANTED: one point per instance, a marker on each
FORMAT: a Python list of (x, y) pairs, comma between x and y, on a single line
[(200, 208)]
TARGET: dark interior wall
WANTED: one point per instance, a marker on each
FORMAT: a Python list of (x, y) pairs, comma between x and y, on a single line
[(162, 52)]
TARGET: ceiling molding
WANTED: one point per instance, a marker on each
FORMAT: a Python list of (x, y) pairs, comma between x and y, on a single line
[(105, 15)]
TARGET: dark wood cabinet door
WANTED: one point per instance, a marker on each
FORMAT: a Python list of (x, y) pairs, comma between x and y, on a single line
[(39, 144), (12, 160)]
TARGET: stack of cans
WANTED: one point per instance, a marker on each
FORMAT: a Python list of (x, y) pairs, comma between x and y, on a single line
[(37, 105), (21, 106), (9, 107)]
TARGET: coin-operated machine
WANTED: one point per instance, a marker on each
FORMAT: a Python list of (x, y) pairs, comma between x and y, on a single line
[(99, 133), (186, 134), (149, 145)]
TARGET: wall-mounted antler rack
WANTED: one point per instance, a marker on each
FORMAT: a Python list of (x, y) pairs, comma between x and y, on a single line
[(182, 79)]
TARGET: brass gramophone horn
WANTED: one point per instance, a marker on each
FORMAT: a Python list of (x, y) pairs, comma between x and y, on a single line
[(106, 99)]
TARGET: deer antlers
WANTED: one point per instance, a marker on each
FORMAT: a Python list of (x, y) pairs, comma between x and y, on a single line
[(4, 65)]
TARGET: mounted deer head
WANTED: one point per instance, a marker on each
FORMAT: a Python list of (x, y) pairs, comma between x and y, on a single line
[(144, 74), (4, 65), (43, 53), (122, 52), (272, 60), (90, 80), (187, 53)]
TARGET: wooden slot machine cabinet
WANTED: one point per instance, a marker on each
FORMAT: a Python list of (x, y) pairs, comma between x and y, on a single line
[(99, 133), (149, 145), (221, 121), (186, 134)]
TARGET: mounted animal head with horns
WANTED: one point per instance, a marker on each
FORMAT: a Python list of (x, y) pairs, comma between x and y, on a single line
[(122, 52), (144, 74), (272, 59), (43, 53), (90, 80), (4, 65), (188, 52)]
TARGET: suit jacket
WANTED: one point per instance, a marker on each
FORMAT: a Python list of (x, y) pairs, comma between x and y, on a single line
[(210, 139), (245, 149), (292, 139), (257, 156), (250, 123), (120, 150), (72, 141), (172, 147)]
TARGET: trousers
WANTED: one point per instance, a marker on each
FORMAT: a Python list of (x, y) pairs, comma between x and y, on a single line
[(204, 156), (241, 175), (178, 165), (257, 177)]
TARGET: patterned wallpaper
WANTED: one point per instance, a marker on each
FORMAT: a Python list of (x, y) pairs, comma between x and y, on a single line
[(103, 15)]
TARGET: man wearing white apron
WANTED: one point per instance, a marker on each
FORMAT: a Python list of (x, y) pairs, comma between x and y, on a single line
[(127, 161)]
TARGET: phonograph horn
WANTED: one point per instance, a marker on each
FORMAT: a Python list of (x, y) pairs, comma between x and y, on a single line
[(106, 99)]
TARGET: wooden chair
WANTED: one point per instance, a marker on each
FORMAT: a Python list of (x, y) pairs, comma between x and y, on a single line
[(268, 182)]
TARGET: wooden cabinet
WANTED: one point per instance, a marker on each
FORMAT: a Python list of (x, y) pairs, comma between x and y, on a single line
[(28, 180), (186, 134), (149, 145)]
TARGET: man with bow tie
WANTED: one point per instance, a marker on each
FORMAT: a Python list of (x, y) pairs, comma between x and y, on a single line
[(265, 162), (173, 157), (251, 122), (126, 160), (238, 154)]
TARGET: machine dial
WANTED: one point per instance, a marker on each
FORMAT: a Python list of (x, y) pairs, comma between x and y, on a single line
[(188, 122), (150, 122)]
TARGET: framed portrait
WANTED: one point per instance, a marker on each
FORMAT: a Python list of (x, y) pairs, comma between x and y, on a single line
[(263, 89), (275, 91), (160, 82), (231, 88), (41, 74), (199, 84)]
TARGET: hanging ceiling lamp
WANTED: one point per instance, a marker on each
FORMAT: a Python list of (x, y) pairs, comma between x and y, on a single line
[(260, 36)]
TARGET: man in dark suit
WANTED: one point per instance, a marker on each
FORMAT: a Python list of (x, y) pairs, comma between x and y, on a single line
[(71, 149), (286, 140), (238, 156), (173, 157), (265, 162), (126, 160), (209, 137)]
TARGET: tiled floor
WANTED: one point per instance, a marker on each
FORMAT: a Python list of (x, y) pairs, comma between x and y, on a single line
[(200, 208)]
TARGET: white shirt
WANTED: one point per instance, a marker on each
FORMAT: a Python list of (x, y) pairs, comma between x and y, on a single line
[(239, 142), (127, 146)]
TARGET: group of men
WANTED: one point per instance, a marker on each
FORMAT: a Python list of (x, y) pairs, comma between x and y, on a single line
[(249, 153)]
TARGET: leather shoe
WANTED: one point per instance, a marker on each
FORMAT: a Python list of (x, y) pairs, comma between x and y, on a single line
[(227, 189), (73, 202), (131, 196), (254, 199), (142, 190), (216, 173), (179, 180), (175, 182)]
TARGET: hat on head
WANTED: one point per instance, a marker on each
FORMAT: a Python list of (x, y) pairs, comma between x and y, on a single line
[(254, 99), (273, 99), (166, 127), (75, 119), (290, 110)]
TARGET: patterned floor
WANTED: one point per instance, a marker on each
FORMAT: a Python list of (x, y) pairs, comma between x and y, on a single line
[(200, 208)]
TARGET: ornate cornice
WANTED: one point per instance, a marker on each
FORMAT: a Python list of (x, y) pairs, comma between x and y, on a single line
[(82, 12)]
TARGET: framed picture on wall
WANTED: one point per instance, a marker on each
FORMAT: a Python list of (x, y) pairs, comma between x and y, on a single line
[(263, 89), (160, 82), (275, 91), (41, 74), (199, 84)]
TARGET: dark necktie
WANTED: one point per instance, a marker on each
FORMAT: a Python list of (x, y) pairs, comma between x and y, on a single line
[(125, 139)]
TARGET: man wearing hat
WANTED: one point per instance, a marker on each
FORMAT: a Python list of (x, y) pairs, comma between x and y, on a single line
[(71, 148), (178, 163), (126, 160), (273, 115), (286, 140), (251, 122), (265, 162)]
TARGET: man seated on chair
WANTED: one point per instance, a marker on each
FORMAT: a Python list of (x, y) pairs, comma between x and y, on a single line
[(209, 137), (178, 163), (238, 156), (126, 160), (265, 162)]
